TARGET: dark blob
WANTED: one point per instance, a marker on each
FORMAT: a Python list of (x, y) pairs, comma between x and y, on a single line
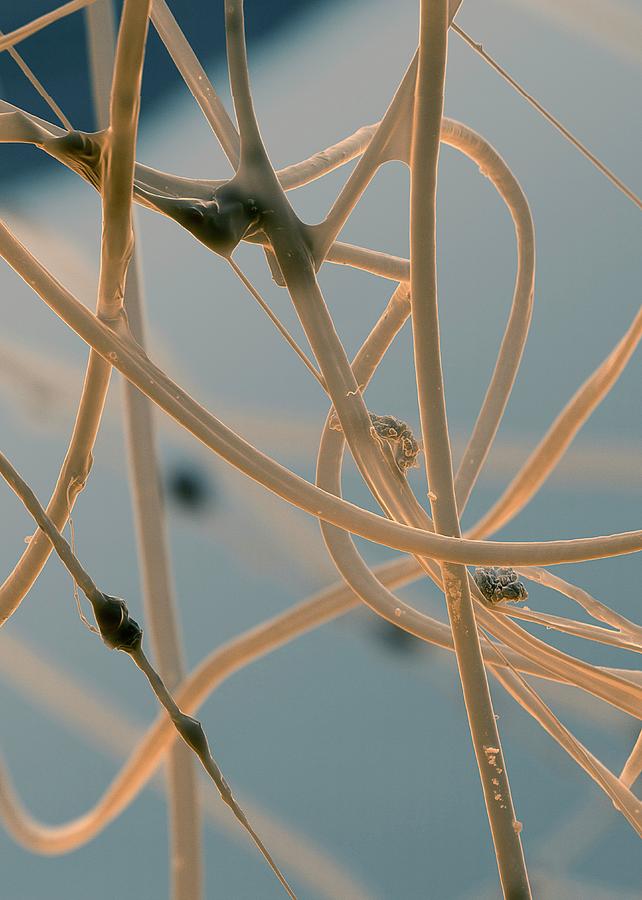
[(395, 640), (117, 629), (188, 488)]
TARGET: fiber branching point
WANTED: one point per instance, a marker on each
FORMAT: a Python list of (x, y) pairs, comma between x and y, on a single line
[(500, 585), (82, 152), (220, 223)]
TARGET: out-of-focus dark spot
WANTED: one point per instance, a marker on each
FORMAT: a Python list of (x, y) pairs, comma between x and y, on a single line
[(189, 488), (395, 640)]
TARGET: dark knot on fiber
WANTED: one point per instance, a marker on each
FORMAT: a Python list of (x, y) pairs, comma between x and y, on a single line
[(117, 629)]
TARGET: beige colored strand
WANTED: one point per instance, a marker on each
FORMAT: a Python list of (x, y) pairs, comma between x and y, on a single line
[(299, 250), (184, 819), (190, 730), (25, 31), (139, 369)]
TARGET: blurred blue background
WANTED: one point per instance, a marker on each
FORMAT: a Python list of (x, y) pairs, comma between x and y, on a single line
[(352, 736)]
